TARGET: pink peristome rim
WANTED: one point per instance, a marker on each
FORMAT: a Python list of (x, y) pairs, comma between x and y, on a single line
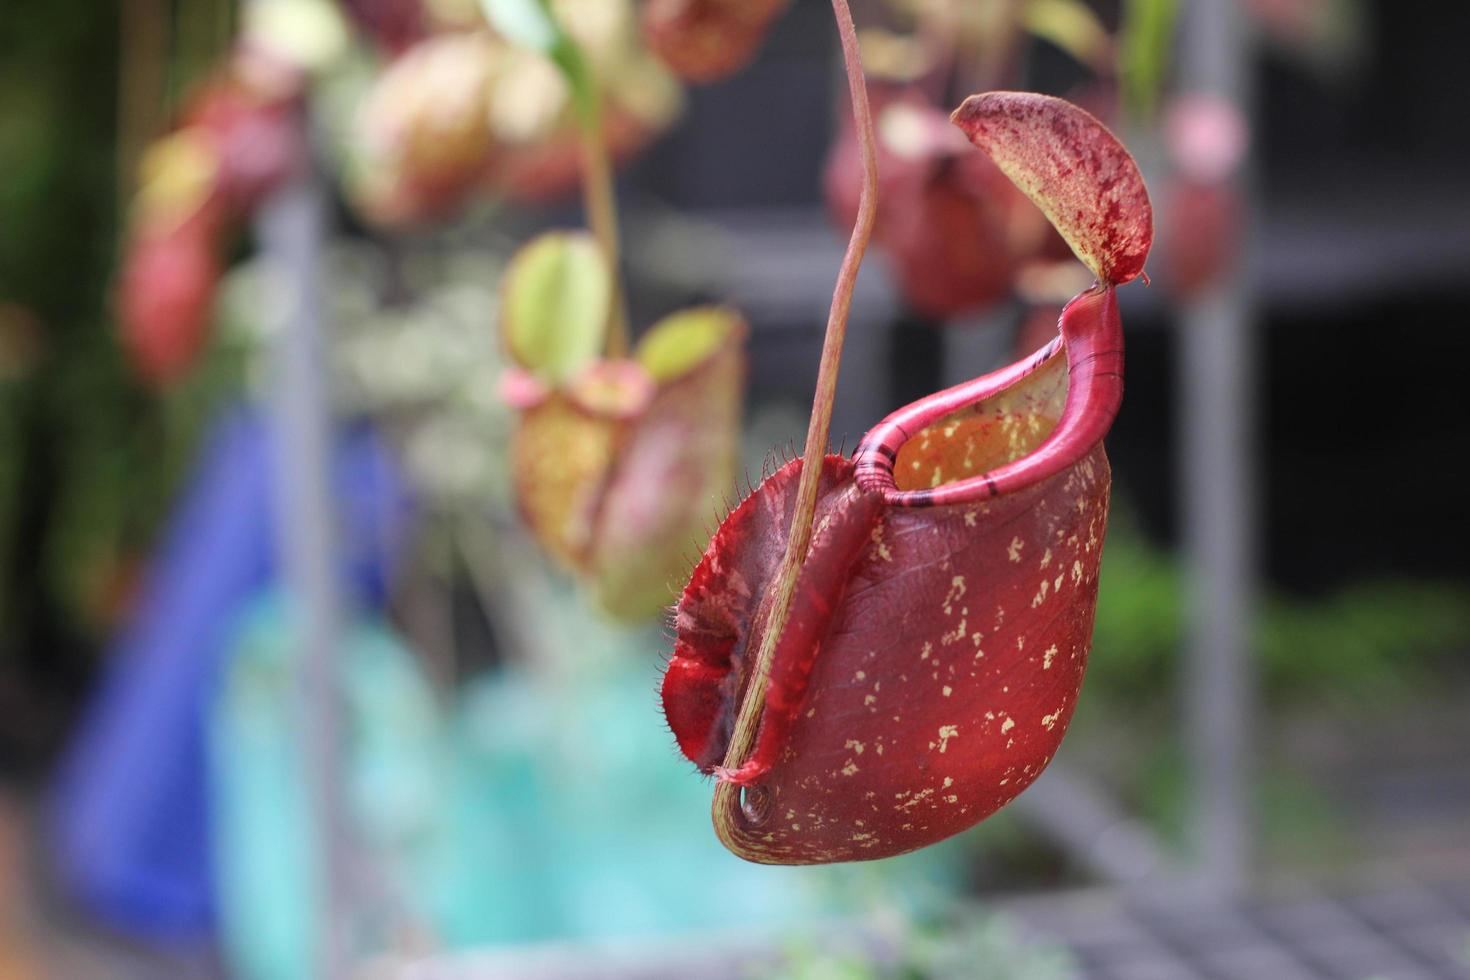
[(1092, 338)]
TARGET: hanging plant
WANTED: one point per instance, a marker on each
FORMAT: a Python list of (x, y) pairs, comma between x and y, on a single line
[(618, 460), (707, 40), (542, 165), (423, 139), (487, 110), (959, 237), (879, 652), (165, 294), (955, 229), (238, 140), (619, 454)]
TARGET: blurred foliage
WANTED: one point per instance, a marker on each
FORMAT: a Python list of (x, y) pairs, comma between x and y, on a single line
[(414, 345), (1296, 822), (1146, 39), (1373, 648), (83, 452), (985, 947), (1377, 640)]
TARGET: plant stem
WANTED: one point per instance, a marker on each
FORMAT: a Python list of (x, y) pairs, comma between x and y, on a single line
[(748, 721), (600, 204), (533, 24)]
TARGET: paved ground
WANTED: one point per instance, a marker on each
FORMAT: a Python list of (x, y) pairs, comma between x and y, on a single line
[(1409, 931)]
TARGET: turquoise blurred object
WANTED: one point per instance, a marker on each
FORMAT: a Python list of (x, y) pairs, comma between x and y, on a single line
[(548, 806), (576, 818), (393, 784)]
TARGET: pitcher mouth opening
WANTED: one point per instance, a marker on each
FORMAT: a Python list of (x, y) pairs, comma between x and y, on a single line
[(1009, 429)]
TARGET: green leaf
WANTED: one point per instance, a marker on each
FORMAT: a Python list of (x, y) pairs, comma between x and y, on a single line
[(681, 341), (1143, 52), (555, 301)]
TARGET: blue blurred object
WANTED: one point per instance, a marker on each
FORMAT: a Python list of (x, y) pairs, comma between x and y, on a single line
[(131, 822)]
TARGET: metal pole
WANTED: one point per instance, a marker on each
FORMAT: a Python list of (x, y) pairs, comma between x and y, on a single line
[(1216, 366), (291, 231)]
